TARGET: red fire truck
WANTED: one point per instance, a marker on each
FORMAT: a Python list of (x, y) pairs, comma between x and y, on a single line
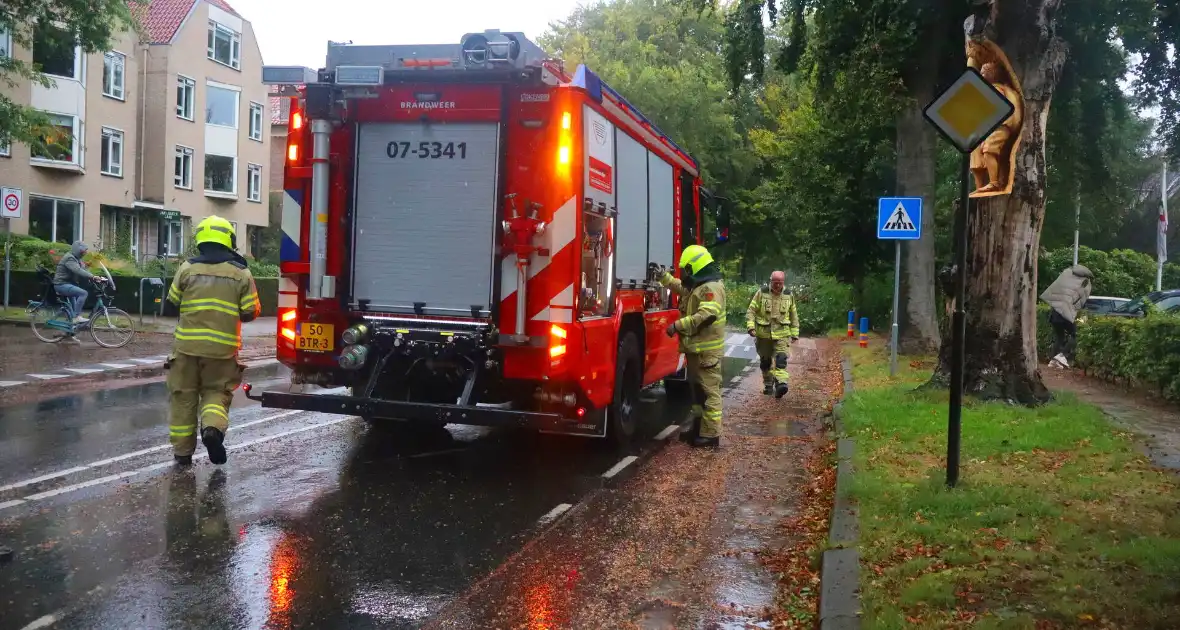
[(471, 236)]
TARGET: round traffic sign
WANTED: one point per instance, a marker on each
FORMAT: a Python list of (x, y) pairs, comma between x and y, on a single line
[(11, 202)]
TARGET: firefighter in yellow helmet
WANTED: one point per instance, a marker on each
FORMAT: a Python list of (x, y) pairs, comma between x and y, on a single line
[(702, 338), (214, 293), (773, 320)]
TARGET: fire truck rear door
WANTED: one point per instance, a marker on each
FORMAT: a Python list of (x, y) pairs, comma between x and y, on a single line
[(424, 216)]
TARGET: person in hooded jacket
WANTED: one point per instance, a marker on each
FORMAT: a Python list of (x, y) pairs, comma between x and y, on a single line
[(69, 274), (1066, 296), (702, 338), (214, 293)]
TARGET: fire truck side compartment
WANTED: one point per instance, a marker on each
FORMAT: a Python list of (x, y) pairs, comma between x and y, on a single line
[(661, 228), (423, 228), (633, 213)]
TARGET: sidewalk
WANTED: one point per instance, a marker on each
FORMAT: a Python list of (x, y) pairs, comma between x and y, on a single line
[(1157, 422)]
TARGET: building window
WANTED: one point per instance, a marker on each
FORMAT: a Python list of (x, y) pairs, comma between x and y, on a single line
[(183, 171), (219, 174), (113, 66), (221, 107), (5, 42), (173, 238), (254, 183), (60, 144), (55, 220), (5, 149), (56, 52), (112, 152), (256, 122), (225, 46), (186, 93)]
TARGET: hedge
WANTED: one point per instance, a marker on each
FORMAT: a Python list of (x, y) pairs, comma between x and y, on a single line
[(28, 252), (1141, 351), (1117, 273), (25, 287)]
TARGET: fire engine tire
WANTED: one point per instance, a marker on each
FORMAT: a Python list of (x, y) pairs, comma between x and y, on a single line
[(624, 410)]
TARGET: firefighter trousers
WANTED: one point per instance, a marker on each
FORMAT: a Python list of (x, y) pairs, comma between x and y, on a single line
[(704, 373), (199, 389), (772, 356)]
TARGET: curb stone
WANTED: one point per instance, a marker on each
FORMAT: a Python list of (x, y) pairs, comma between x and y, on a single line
[(839, 599)]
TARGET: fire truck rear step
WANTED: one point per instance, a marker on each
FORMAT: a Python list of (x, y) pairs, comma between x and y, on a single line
[(490, 416)]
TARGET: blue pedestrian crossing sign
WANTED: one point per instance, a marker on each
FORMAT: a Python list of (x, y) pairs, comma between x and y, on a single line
[(899, 218)]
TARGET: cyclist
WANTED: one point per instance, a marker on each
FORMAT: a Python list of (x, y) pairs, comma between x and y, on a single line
[(70, 273)]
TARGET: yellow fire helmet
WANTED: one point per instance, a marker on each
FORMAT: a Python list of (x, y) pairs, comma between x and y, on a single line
[(214, 229), (694, 258)]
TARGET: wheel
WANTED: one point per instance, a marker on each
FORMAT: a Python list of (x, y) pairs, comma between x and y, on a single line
[(624, 409), (111, 327), (50, 324)]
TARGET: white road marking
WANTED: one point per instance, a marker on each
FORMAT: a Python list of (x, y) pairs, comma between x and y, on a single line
[(118, 458), (668, 430), (147, 361), (162, 465), (47, 377), (551, 515), (11, 383), (261, 363), (83, 370), (41, 622), (618, 468), (117, 366)]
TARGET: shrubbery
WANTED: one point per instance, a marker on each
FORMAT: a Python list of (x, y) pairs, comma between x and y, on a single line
[(28, 252), (823, 303), (1118, 273), (1137, 350)]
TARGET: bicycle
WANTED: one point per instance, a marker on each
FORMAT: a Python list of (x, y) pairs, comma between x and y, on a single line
[(52, 317)]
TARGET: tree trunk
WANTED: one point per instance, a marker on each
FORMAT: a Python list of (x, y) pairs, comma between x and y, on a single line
[(917, 153), (917, 321), (1004, 232)]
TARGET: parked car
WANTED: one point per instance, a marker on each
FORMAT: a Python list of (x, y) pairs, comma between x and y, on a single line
[(1166, 301), (1101, 304)]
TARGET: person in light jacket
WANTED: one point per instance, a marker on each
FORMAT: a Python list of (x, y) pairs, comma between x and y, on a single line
[(1067, 295)]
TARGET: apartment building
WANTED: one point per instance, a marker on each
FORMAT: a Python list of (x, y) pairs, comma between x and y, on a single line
[(280, 118), (157, 134)]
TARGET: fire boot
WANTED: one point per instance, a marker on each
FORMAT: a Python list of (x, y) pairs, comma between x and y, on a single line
[(768, 389), (214, 443), (781, 390), (692, 434), (706, 442), (183, 460)]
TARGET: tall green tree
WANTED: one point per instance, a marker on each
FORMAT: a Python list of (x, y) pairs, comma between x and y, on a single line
[(54, 24), (1037, 36)]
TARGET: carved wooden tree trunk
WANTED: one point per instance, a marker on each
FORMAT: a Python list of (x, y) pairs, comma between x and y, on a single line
[(1004, 232)]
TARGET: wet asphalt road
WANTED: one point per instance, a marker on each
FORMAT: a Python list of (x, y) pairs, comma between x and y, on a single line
[(316, 521)]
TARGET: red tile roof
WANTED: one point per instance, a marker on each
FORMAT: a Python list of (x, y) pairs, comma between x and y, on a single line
[(162, 18)]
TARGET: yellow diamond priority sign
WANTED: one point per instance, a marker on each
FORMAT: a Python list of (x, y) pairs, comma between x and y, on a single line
[(969, 111)]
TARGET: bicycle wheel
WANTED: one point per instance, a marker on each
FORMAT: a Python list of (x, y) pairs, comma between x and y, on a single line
[(111, 327), (50, 324)]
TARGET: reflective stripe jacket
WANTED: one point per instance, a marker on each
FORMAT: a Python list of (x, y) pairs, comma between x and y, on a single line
[(772, 316), (702, 315), (214, 299)]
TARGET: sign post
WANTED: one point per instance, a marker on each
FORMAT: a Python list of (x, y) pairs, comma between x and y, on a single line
[(11, 200), (966, 114), (898, 219)]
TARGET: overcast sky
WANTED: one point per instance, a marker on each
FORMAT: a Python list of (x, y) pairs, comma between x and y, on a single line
[(296, 32)]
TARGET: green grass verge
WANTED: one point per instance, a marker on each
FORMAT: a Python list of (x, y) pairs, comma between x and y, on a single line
[(1057, 521)]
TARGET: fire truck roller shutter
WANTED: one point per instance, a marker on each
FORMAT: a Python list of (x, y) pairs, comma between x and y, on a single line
[(632, 222), (661, 186), (424, 217)]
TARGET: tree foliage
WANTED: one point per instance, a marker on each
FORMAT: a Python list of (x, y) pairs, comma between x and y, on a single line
[(92, 23)]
